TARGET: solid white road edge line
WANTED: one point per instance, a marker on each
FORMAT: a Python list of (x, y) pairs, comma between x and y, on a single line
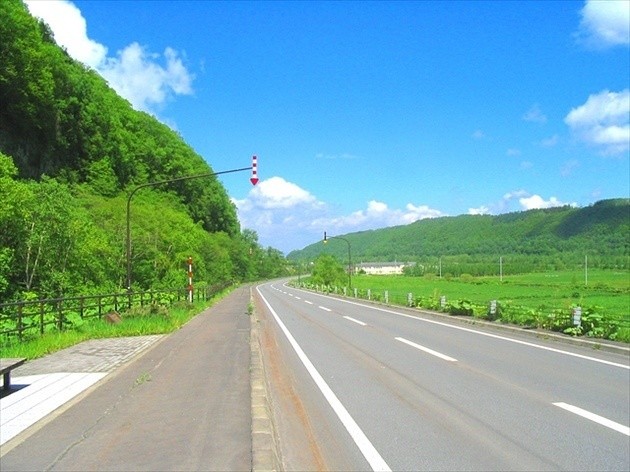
[(355, 321), (427, 350), (596, 418), (481, 333), (377, 463)]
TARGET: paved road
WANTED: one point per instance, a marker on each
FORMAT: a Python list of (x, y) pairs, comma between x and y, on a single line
[(379, 388), (183, 405)]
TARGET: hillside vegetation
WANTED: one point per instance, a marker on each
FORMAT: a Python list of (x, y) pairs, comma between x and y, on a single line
[(533, 240), (71, 151)]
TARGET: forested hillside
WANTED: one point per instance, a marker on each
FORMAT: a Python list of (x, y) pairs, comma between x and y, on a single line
[(531, 240), (71, 150)]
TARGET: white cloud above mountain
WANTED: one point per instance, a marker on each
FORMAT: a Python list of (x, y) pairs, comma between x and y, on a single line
[(147, 79)]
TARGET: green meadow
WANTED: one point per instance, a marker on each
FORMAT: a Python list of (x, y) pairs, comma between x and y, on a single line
[(543, 300)]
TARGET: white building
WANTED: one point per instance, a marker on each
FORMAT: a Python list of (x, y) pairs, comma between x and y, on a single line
[(380, 268)]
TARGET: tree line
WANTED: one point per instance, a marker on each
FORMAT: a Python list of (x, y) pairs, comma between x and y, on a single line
[(71, 151)]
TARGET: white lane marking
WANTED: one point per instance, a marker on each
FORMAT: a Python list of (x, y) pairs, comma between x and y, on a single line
[(297, 298), (324, 308), (427, 350), (490, 335), (306, 301), (596, 418), (355, 321), (358, 436)]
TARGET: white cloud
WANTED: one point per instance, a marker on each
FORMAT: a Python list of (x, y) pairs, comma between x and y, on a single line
[(378, 215), (482, 210), (603, 121), (517, 200), (287, 216), (70, 30), (605, 23), (535, 115), (135, 73), (536, 201), (276, 192), (516, 194)]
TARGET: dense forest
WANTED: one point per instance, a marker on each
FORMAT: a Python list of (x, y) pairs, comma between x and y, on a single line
[(528, 241), (71, 151)]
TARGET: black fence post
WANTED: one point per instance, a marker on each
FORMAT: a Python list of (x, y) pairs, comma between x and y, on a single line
[(41, 318), (60, 312), (19, 321)]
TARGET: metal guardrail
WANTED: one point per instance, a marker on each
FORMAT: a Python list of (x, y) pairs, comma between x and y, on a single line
[(29, 317)]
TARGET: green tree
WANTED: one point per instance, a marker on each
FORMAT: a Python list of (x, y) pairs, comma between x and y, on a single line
[(328, 271)]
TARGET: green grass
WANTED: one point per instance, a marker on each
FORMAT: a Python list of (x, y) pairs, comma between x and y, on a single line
[(543, 300), (137, 322), (608, 290)]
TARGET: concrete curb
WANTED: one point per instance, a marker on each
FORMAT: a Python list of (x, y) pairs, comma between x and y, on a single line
[(265, 456)]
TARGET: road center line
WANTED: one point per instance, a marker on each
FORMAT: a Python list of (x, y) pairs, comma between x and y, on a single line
[(596, 418), (358, 436), (355, 321), (324, 308), (306, 301), (427, 350)]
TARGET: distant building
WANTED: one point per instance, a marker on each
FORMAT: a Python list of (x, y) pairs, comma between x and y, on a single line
[(380, 268)]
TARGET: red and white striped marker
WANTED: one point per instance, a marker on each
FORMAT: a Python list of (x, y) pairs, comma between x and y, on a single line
[(190, 284), (254, 179)]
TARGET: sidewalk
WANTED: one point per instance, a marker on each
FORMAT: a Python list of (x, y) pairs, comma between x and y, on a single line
[(45, 384), (184, 404)]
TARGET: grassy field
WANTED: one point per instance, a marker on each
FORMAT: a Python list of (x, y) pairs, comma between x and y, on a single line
[(606, 289), (537, 299)]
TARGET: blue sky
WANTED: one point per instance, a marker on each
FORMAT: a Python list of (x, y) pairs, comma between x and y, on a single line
[(366, 115)]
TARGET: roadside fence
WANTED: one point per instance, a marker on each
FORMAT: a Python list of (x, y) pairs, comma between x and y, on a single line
[(35, 317)]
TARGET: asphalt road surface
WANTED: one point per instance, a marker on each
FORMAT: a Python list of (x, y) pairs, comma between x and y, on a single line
[(366, 387), (182, 405)]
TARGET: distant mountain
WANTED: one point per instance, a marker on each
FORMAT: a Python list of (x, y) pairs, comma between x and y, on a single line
[(601, 231)]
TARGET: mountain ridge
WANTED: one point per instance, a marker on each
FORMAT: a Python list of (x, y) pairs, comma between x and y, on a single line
[(601, 230)]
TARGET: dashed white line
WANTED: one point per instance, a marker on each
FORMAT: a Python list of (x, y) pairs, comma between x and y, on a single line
[(355, 321), (324, 308), (490, 335), (596, 418), (306, 301), (427, 350)]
